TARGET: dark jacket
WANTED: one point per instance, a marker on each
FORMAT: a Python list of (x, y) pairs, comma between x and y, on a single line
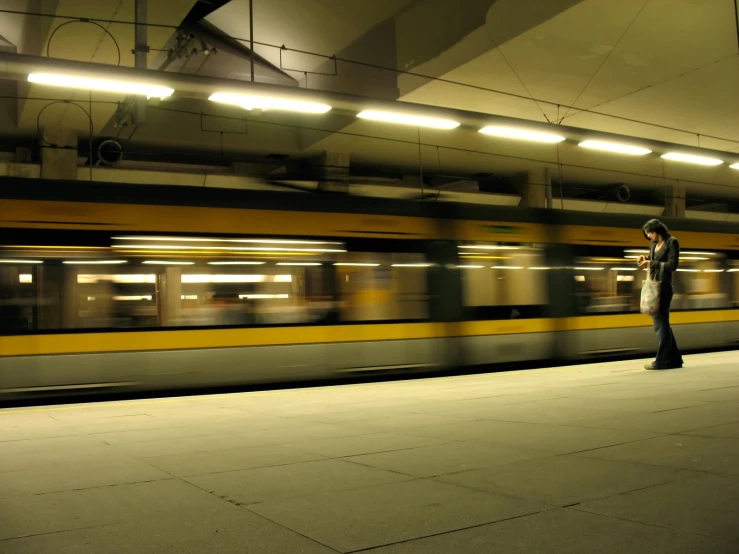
[(665, 260)]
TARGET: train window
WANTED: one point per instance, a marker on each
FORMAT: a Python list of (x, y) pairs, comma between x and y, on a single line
[(156, 282), (110, 296), (383, 286), (608, 281), (503, 281), (18, 286)]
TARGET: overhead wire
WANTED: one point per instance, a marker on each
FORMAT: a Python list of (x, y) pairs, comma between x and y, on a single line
[(611, 51), (83, 20), (520, 80)]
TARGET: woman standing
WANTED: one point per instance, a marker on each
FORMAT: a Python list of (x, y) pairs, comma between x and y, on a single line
[(662, 261)]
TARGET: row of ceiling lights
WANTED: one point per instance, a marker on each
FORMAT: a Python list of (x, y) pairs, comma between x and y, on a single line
[(254, 102), (239, 263)]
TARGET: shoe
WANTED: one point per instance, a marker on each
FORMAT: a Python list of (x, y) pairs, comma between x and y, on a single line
[(655, 366)]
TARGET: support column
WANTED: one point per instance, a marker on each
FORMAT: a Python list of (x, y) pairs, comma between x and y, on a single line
[(59, 153), (50, 297), (675, 200), (170, 296), (536, 189), (333, 171)]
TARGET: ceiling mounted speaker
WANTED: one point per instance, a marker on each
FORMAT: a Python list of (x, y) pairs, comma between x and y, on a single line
[(109, 152), (623, 193)]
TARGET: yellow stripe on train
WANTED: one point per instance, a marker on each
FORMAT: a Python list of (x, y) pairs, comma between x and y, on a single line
[(88, 343)]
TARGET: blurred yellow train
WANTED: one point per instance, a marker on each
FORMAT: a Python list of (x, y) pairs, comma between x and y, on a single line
[(118, 287)]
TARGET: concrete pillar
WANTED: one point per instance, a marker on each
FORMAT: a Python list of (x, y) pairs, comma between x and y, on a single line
[(10, 320), (536, 189), (69, 301), (59, 153), (333, 170), (170, 296), (50, 297), (674, 200)]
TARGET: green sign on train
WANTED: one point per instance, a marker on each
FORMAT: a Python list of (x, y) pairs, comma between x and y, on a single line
[(501, 229)]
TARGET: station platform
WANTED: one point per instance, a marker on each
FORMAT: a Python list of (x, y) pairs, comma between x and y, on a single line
[(606, 458)]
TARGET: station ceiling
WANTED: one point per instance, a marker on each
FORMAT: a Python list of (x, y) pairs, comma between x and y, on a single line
[(664, 70)]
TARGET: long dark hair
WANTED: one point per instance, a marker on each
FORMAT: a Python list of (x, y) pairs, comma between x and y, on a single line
[(656, 226)]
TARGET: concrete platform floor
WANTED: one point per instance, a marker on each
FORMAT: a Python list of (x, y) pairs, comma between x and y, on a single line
[(605, 458)]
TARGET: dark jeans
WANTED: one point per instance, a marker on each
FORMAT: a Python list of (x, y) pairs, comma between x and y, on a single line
[(668, 354)]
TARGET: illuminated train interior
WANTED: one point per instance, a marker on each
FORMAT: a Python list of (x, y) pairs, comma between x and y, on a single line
[(166, 281)]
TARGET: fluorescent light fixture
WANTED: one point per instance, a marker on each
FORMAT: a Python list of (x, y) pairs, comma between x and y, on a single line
[(142, 297), (189, 297), (470, 266), (239, 278), (192, 278), (540, 268), (713, 270), (25, 278), (691, 159), (263, 296), (622, 278), (734, 166), (588, 268), (692, 258), (698, 253), (405, 119), (690, 270), (614, 147), (624, 268), (236, 263), (104, 85), (482, 256), (265, 103), (165, 262), (636, 251), (204, 239), (580, 278), (411, 265), (356, 264), (299, 263), (521, 134), (506, 267), (227, 248), (21, 262), (734, 270), (207, 278), (94, 262), (123, 278), (489, 247)]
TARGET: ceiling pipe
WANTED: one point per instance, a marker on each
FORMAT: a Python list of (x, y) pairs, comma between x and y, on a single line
[(19, 66)]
